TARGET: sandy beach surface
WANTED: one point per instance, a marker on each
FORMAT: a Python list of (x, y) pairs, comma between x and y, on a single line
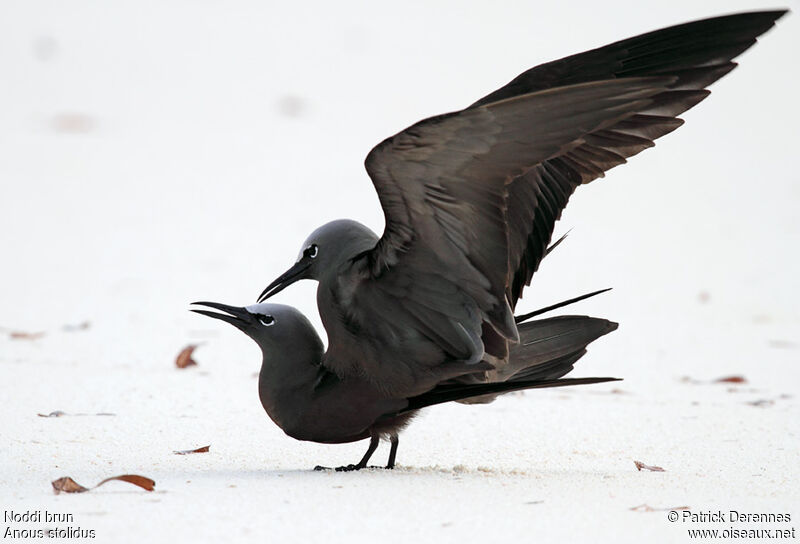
[(155, 154)]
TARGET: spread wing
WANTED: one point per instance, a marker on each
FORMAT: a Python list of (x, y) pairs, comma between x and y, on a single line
[(471, 197), (696, 54), (443, 185)]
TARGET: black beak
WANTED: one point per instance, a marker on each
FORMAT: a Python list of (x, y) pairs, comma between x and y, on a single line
[(286, 279), (238, 317)]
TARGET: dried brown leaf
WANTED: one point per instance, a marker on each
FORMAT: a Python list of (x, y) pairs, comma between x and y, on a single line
[(67, 485), (22, 335), (731, 379), (725, 379), (204, 449), (185, 357), (57, 413), (641, 466), (145, 483)]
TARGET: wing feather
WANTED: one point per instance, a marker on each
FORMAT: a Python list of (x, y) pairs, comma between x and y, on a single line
[(696, 54), (471, 197), (444, 186)]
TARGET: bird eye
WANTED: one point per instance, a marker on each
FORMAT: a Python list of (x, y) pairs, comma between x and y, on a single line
[(267, 320), (311, 251)]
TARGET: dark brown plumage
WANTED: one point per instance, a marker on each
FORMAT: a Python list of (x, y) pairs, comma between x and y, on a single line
[(471, 199), (424, 314)]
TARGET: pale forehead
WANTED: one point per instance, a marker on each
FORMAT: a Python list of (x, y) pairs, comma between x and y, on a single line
[(265, 308)]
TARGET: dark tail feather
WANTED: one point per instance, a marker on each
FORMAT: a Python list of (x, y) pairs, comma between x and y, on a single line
[(447, 393), (551, 369), (547, 350), (521, 318), (549, 347)]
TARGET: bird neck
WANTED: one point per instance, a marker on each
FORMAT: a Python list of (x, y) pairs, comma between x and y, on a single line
[(290, 368), (287, 379)]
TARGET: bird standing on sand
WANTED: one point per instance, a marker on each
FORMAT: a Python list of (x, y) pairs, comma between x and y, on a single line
[(470, 200), (310, 402)]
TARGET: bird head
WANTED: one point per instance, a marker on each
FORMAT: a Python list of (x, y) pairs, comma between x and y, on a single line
[(276, 328), (323, 253)]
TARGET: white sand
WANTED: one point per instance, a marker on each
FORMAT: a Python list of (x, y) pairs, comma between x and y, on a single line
[(153, 156)]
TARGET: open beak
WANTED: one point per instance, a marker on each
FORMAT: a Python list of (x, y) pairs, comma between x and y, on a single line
[(236, 316), (286, 279)]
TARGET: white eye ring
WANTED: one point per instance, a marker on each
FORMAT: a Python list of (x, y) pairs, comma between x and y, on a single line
[(312, 251), (266, 320)]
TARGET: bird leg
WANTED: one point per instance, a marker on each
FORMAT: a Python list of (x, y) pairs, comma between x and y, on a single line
[(392, 452), (373, 444)]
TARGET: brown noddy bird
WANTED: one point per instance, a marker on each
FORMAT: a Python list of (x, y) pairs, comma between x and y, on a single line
[(311, 402), (471, 197), (470, 200)]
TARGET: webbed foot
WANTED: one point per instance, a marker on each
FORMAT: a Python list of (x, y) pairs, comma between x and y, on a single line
[(350, 468)]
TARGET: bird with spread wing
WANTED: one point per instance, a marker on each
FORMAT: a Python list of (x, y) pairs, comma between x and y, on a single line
[(471, 199), (425, 313)]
